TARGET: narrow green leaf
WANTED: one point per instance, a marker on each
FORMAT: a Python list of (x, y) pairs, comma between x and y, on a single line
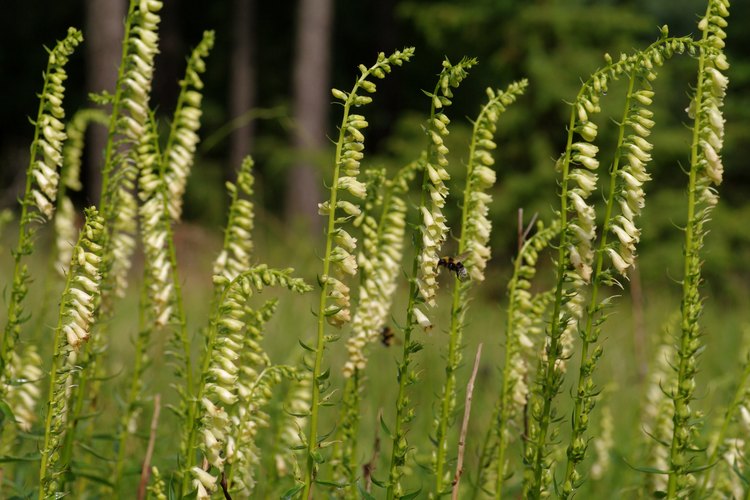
[(386, 430), (290, 493), (378, 483), (305, 346)]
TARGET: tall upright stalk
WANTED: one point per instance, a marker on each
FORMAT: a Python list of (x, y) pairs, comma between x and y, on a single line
[(576, 254), (706, 171), (474, 239), (423, 279), (339, 259)]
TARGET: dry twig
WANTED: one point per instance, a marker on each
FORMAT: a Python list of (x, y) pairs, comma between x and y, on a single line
[(465, 424)]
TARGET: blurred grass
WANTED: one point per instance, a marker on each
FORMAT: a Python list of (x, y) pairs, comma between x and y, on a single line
[(618, 373)]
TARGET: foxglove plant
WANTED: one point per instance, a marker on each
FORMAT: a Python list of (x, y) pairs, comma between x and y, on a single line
[(119, 207), (579, 267), (132, 123), (627, 176), (40, 192), (237, 244), (524, 320), (423, 280), (475, 236), (379, 261), (339, 261), (77, 312), (705, 172), (183, 135), (218, 391)]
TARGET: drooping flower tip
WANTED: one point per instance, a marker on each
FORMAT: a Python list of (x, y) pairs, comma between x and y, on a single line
[(422, 320)]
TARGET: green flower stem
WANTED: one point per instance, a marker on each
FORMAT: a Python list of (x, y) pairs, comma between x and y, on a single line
[(488, 446), (110, 149), (312, 439), (54, 381), (549, 385), (25, 245), (398, 452), (318, 377), (454, 338), (54, 463), (144, 334), (399, 434), (690, 282), (502, 416), (588, 337)]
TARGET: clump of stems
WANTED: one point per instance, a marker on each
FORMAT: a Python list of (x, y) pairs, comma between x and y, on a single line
[(338, 260), (77, 309), (40, 192), (474, 239), (423, 279), (577, 260), (379, 261), (705, 172), (231, 366), (524, 320)]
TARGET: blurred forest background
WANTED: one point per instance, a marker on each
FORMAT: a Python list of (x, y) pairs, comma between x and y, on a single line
[(268, 93)]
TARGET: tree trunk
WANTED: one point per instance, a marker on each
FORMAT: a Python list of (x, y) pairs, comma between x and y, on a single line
[(104, 32), (311, 101), (242, 85)]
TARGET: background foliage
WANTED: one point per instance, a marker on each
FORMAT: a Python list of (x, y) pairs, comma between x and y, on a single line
[(550, 42)]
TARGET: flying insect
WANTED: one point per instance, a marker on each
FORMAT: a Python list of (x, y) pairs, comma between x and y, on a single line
[(454, 264), (388, 336)]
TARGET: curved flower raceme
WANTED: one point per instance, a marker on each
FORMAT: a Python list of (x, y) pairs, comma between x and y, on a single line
[(481, 177), (233, 374), (238, 243), (155, 230), (380, 264), (136, 88), (183, 137), (79, 302), (47, 147)]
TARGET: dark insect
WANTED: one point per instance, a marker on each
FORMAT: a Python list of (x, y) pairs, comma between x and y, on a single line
[(387, 336), (455, 265)]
